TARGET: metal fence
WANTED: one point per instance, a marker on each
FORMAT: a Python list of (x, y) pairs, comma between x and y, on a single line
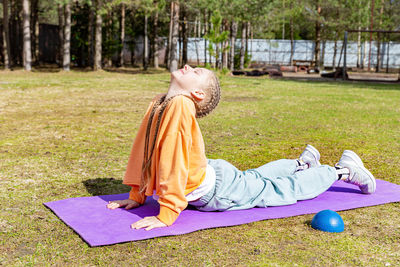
[(278, 52)]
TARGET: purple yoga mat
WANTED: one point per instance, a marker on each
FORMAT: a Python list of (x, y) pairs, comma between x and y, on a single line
[(98, 226)]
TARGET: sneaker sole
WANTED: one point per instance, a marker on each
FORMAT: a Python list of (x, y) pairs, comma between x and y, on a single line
[(372, 179)]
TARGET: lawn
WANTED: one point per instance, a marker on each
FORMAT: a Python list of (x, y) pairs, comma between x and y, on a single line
[(66, 135)]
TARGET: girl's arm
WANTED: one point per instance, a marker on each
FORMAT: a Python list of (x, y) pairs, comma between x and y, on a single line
[(174, 170), (173, 163)]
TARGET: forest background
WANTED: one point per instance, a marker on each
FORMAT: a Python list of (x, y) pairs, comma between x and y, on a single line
[(93, 33)]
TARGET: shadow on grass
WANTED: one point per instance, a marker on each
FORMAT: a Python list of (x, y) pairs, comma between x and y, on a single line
[(105, 186)]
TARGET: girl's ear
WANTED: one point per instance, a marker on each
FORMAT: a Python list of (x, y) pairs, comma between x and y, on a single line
[(198, 94)]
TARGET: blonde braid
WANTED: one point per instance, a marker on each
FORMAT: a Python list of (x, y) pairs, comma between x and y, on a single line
[(147, 159), (214, 90), (149, 123), (147, 138)]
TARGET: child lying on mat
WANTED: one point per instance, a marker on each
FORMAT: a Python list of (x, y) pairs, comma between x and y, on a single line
[(168, 162)]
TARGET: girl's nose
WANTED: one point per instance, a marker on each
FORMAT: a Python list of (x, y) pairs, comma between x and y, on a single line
[(187, 67)]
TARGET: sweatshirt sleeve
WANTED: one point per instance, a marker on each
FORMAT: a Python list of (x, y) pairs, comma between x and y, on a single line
[(174, 170), (135, 195), (173, 163)]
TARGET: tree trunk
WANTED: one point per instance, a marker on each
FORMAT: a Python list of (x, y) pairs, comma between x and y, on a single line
[(246, 51), (388, 38), (171, 24), (378, 62), (35, 30), (173, 66), (109, 37), (378, 54), (233, 40), (225, 54), (359, 48), (291, 37), (209, 22), (180, 45), (205, 39), (197, 36), (61, 22), (97, 50), (387, 55), (67, 38), (217, 53), (90, 37), (37, 51), (334, 54), (6, 37), (341, 53), (370, 34), (27, 58), (251, 41), (225, 47), (122, 26), (364, 57), (199, 28), (317, 37), (15, 24), (155, 42), (359, 59), (185, 38), (145, 45), (242, 46), (322, 58), (132, 47)]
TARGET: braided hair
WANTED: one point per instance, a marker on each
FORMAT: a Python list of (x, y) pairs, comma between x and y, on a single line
[(203, 108), (213, 93)]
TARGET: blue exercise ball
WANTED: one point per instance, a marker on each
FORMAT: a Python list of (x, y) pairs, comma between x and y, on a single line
[(328, 221)]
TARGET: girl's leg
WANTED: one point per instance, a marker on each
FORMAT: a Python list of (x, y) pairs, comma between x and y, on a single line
[(282, 167), (301, 185), (242, 190)]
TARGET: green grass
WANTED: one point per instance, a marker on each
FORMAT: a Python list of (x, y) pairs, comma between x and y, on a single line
[(66, 135)]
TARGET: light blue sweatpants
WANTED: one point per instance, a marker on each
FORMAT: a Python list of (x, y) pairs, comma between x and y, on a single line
[(274, 184)]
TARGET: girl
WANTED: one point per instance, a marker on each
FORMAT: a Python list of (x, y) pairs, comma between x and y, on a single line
[(168, 161)]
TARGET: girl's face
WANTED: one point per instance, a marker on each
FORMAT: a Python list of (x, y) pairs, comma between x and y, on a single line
[(189, 79)]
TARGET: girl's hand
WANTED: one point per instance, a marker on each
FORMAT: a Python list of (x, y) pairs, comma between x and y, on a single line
[(148, 223), (127, 203)]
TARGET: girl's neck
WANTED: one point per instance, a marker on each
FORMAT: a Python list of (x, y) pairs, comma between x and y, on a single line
[(173, 93)]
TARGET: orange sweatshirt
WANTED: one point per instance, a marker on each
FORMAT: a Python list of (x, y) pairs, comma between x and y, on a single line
[(178, 162)]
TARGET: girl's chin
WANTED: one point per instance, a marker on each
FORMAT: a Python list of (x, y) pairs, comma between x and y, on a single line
[(174, 74)]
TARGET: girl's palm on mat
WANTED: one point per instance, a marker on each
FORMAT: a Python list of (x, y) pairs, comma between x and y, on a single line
[(127, 203), (148, 223)]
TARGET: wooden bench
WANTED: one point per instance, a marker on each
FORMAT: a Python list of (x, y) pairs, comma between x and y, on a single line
[(304, 65)]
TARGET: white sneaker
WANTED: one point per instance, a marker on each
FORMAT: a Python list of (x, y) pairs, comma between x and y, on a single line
[(310, 156), (359, 175)]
